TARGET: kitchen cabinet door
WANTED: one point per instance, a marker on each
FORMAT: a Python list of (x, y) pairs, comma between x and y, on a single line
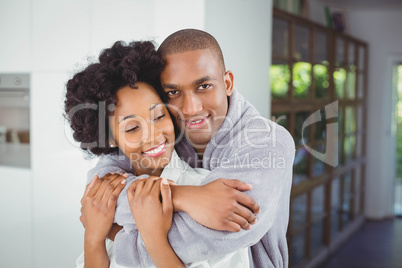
[(16, 218), (15, 36)]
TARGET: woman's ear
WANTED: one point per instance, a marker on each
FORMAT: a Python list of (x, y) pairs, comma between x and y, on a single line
[(229, 78), (113, 130), (112, 144)]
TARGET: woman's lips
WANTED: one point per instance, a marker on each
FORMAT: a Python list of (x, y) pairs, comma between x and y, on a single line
[(156, 151)]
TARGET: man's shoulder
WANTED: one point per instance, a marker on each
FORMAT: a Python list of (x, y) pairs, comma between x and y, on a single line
[(243, 115), (260, 130), (245, 127)]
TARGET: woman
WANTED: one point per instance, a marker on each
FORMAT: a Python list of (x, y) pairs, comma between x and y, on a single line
[(125, 83), (99, 83)]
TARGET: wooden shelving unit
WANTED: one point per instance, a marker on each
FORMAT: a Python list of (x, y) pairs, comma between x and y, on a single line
[(313, 67)]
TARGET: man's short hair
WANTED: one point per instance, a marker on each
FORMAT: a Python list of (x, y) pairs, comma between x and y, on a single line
[(190, 40)]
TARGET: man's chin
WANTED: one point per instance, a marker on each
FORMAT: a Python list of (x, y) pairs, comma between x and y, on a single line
[(198, 141)]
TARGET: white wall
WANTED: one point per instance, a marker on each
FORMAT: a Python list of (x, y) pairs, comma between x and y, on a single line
[(380, 26), (78, 29), (15, 52), (243, 28), (51, 40)]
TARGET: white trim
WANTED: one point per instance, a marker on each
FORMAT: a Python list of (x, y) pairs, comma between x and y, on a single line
[(390, 167)]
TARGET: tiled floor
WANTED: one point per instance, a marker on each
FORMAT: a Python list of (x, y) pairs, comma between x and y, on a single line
[(378, 244)]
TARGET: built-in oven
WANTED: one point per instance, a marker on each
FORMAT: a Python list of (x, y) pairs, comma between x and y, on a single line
[(14, 120)]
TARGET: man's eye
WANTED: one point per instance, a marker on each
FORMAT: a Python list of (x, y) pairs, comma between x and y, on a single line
[(173, 92), (205, 86)]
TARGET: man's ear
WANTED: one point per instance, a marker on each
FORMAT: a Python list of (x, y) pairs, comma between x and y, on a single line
[(229, 78)]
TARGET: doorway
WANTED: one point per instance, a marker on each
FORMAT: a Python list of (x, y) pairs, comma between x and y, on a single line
[(397, 81)]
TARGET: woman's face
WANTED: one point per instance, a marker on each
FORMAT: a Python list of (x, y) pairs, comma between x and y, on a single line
[(142, 129)]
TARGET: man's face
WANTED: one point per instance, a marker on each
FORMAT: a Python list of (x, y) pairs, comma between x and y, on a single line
[(197, 89)]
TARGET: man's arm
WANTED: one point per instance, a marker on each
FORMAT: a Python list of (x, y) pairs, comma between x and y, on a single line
[(222, 204), (108, 164), (269, 170)]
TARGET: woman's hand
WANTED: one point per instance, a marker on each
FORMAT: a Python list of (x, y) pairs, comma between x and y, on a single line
[(99, 205), (152, 208), (98, 208), (152, 215)]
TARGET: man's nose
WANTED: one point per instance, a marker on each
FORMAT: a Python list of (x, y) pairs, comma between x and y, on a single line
[(191, 105)]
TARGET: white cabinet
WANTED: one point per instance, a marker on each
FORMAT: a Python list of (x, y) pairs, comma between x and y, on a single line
[(60, 33), (15, 53), (16, 218), (59, 176)]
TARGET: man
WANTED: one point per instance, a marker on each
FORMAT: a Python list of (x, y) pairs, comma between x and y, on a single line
[(225, 134)]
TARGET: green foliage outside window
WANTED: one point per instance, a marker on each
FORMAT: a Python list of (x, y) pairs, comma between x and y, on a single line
[(351, 82), (321, 80), (339, 80), (280, 77), (301, 79)]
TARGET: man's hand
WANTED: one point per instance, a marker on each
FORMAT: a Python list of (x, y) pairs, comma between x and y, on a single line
[(152, 208), (218, 205)]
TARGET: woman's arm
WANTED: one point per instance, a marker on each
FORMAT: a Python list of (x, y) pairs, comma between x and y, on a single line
[(98, 207), (95, 253), (153, 217)]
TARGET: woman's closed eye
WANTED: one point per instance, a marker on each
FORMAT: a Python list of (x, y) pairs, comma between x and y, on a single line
[(160, 117), (131, 129)]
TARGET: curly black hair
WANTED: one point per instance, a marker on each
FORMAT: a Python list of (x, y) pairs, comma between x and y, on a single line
[(91, 92)]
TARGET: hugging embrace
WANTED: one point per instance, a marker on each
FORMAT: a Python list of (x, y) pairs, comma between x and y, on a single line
[(190, 174)]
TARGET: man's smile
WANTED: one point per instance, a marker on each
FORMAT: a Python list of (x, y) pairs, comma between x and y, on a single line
[(196, 123)]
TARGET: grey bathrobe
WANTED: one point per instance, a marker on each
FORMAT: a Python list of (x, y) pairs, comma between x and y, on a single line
[(247, 147)]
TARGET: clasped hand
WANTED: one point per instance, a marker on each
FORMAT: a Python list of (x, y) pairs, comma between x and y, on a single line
[(220, 205), (98, 206)]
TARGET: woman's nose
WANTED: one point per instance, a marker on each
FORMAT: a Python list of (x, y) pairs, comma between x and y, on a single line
[(150, 134)]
